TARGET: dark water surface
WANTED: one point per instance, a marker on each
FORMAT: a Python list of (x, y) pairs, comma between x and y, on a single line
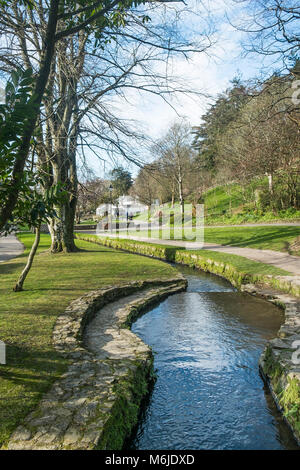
[(209, 394)]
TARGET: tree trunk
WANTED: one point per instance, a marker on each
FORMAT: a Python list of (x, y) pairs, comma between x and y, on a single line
[(181, 199), (149, 220), (19, 285), (55, 229), (61, 228), (68, 227), (173, 195), (270, 179), (41, 82)]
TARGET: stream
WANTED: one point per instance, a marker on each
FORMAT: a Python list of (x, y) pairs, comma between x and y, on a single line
[(209, 393)]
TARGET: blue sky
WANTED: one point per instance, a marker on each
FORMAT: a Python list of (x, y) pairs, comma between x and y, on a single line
[(209, 74)]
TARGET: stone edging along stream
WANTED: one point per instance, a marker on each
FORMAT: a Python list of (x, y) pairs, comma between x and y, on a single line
[(288, 284), (96, 403), (277, 365)]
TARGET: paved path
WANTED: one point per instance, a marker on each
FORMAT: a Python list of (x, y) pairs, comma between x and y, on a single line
[(262, 224), (275, 258), (10, 247)]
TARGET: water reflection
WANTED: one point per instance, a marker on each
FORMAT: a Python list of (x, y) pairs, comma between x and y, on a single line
[(209, 394)]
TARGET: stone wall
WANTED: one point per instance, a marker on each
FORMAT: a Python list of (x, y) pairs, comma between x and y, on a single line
[(280, 372), (289, 284), (95, 404), (278, 362)]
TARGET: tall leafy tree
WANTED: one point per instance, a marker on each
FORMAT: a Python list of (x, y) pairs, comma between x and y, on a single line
[(63, 19), (121, 181), (215, 122)]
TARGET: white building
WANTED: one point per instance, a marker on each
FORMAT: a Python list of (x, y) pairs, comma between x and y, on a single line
[(125, 206)]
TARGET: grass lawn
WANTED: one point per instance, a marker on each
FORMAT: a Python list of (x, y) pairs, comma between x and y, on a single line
[(242, 264), (27, 318), (276, 238), (267, 238), (88, 222)]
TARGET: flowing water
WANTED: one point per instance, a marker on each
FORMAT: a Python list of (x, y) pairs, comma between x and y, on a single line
[(209, 394)]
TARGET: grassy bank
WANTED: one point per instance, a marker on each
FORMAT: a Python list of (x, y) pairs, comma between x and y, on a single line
[(268, 238), (278, 238), (236, 204), (27, 318), (237, 269)]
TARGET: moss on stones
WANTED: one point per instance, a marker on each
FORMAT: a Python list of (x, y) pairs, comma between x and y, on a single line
[(196, 259), (290, 402), (124, 415), (285, 390), (96, 403)]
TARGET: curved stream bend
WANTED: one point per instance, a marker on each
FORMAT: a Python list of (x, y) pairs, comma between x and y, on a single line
[(209, 394)]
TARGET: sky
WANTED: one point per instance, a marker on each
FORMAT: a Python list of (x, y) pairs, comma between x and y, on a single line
[(208, 73)]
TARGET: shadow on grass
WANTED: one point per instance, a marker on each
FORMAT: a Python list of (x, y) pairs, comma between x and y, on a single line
[(111, 250), (9, 268), (31, 368), (252, 239)]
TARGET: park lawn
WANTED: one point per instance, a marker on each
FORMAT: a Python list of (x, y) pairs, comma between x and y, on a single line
[(243, 265), (27, 318), (276, 238), (88, 222)]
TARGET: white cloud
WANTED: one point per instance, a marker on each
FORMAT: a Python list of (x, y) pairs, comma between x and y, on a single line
[(207, 74)]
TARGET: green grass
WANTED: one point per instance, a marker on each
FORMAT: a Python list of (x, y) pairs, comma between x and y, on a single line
[(218, 200), (276, 238), (242, 264), (88, 222), (235, 204), (27, 318)]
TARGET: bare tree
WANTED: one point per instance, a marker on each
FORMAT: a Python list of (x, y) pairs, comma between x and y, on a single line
[(91, 193), (262, 142), (56, 20), (145, 186), (272, 27), (77, 103), (175, 154), (55, 28)]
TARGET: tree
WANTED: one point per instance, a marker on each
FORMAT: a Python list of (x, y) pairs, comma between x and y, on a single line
[(121, 181), (215, 121), (63, 20), (263, 141), (175, 154), (90, 194), (70, 111), (247, 134), (145, 186), (272, 27)]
